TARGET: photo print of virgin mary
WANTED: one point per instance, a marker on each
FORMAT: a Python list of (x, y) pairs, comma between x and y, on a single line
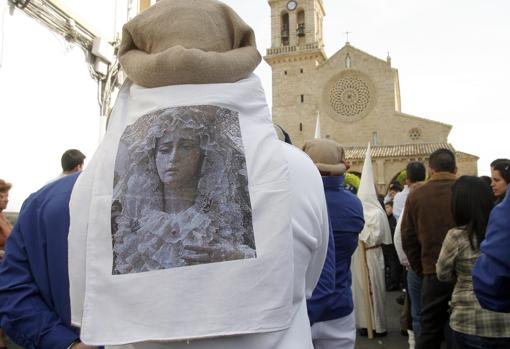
[(180, 195)]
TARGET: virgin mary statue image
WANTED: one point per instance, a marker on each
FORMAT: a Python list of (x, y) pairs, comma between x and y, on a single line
[(180, 191)]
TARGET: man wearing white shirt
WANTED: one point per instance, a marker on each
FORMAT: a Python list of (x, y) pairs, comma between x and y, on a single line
[(416, 173)]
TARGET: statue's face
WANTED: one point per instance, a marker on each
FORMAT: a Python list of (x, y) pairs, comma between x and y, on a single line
[(178, 158)]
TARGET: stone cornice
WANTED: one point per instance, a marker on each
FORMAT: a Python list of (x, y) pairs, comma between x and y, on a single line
[(287, 54)]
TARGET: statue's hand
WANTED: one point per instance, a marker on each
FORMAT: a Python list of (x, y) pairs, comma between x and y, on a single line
[(210, 254)]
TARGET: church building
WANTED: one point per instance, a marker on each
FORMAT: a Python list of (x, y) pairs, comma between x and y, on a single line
[(355, 95)]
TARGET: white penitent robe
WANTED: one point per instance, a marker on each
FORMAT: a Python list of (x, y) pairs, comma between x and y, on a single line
[(230, 271), (376, 232)]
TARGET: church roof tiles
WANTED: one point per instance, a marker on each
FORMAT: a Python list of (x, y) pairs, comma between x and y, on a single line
[(396, 151)]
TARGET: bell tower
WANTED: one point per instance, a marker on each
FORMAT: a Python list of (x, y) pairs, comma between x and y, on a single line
[(296, 22), (295, 53)]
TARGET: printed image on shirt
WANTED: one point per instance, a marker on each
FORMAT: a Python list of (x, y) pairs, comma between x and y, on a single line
[(180, 195)]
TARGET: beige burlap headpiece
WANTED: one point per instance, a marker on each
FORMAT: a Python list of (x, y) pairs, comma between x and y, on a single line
[(179, 42), (327, 155)]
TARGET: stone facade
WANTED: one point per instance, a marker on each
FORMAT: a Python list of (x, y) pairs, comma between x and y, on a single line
[(356, 95)]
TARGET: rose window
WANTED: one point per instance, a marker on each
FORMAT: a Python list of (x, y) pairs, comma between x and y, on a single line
[(350, 96), (415, 134)]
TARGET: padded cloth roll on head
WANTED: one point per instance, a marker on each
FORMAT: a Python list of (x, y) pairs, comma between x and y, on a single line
[(188, 42)]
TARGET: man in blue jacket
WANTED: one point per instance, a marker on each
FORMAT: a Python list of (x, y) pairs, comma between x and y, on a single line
[(491, 274), (331, 310), (34, 284)]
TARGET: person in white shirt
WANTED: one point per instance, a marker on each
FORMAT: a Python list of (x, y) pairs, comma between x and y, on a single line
[(180, 55), (416, 173)]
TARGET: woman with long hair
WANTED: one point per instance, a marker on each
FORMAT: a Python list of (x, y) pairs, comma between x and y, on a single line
[(473, 327), (500, 174)]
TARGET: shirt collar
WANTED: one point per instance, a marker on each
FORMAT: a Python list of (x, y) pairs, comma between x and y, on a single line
[(333, 182), (443, 176)]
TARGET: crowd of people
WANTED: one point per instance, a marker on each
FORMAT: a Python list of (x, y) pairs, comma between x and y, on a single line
[(197, 224)]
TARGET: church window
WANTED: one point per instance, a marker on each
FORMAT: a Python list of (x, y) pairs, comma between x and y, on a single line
[(350, 96), (415, 134), (375, 138), (285, 29), (302, 98), (301, 70), (301, 127), (301, 24), (285, 72), (348, 61)]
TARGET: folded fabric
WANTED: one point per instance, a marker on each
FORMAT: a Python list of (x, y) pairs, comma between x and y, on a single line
[(187, 42), (180, 225)]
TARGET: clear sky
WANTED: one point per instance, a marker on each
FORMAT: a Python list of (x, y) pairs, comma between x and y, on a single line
[(453, 59)]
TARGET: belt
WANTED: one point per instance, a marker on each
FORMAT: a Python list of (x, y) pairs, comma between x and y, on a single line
[(372, 247)]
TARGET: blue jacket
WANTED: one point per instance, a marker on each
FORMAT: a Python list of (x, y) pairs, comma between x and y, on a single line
[(346, 218), (34, 285), (491, 274)]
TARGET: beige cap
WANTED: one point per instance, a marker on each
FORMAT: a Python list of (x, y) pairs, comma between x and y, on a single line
[(327, 155), (179, 42)]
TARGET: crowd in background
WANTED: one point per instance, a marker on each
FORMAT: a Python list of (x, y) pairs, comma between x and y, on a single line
[(438, 224), (324, 246)]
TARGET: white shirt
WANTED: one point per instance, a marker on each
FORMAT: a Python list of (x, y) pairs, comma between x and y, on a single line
[(251, 303), (399, 202), (310, 233)]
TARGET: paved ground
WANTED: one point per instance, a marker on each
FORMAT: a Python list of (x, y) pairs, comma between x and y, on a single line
[(393, 341)]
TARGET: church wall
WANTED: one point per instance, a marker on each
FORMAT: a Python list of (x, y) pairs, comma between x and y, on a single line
[(379, 77), (467, 166), (288, 110), (390, 126), (377, 119)]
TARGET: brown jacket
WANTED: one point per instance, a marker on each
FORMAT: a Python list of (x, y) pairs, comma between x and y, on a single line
[(427, 219)]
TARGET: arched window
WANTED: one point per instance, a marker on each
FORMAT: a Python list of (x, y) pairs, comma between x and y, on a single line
[(301, 24), (348, 61), (285, 29)]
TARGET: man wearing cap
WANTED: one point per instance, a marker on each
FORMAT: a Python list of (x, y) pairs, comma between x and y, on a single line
[(331, 310)]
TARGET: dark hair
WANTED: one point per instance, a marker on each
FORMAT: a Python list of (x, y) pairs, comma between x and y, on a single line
[(416, 171), (472, 203), (71, 158), (286, 136), (498, 161), (443, 160), (4, 186), (487, 180), (503, 167), (396, 186), (389, 203)]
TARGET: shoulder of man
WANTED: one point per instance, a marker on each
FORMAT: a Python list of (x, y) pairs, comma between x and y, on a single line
[(53, 195), (303, 170)]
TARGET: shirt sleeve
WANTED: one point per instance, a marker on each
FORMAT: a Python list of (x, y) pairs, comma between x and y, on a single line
[(319, 257), (24, 315), (410, 242), (397, 240), (491, 273), (445, 266)]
